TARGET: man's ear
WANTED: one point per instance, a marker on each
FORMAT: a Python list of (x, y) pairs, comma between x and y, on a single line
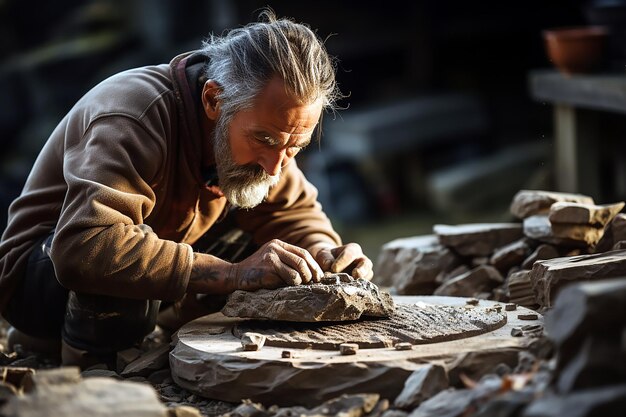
[(210, 101)]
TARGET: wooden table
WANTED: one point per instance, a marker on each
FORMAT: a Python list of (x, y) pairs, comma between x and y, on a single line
[(578, 103)]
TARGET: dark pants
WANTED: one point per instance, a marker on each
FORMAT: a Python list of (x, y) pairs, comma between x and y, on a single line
[(41, 307)]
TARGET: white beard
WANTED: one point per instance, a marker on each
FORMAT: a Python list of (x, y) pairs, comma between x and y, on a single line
[(244, 186)]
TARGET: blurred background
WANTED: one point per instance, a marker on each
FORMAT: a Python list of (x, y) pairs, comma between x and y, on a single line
[(438, 125)]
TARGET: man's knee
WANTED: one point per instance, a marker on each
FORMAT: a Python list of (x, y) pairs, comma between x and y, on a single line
[(37, 305), (104, 325)]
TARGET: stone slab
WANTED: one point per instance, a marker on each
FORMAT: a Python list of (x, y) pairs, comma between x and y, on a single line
[(587, 307), (598, 361), (602, 401), (567, 235), (209, 361), (481, 279), (586, 325), (528, 203), (543, 251), (411, 265), (422, 384), (478, 239), (548, 276), (344, 299), (590, 214), (510, 255)]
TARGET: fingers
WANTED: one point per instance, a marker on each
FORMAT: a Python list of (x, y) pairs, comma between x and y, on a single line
[(292, 259), (345, 256), (349, 258), (289, 275), (363, 269), (325, 259)]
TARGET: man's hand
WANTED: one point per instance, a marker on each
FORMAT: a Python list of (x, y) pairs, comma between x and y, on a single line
[(348, 258), (275, 264)]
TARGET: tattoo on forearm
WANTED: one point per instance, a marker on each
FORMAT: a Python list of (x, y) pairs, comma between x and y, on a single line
[(212, 276)]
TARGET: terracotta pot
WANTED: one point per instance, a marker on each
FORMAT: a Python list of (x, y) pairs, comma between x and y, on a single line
[(576, 50)]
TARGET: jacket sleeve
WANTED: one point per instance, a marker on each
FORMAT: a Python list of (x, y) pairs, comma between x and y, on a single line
[(101, 243), (290, 213)]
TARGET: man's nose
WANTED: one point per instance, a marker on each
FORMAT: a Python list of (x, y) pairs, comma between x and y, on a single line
[(272, 161)]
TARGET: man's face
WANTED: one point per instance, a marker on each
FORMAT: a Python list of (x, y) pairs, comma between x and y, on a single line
[(252, 146)]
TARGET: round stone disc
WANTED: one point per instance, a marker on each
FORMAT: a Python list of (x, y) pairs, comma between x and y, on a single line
[(209, 358)]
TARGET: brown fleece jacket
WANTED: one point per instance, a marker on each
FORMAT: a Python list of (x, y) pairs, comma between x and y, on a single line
[(119, 180)]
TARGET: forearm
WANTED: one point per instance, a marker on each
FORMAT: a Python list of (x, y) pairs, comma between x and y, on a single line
[(211, 275)]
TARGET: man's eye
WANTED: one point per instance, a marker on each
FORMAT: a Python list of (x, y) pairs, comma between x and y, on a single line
[(264, 139)]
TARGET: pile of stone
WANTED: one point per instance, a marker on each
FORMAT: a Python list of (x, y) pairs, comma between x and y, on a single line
[(560, 238)]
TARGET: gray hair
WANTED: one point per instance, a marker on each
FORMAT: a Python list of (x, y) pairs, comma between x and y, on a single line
[(244, 60)]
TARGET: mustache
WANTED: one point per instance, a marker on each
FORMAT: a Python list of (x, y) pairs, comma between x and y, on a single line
[(251, 172)]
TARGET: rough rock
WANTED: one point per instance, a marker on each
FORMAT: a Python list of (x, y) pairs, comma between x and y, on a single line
[(99, 397), (509, 404), (55, 376), (549, 275), (614, 232), (422, 384), (528, 203), (543, 251), (346, 300), (478, 239), (510, 255), (586, 326), (476, 365), (446, 276), (411, 265), (148, 362), (606, 401), (590, 214), (599, 361), (567, 235), (579, 309), (481, 279), (126, 356), (448, 403)]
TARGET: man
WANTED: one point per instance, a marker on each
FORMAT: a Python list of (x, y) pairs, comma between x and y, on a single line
[(147, 163)]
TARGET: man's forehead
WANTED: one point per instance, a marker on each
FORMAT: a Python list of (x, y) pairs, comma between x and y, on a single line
[(276, 109)]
